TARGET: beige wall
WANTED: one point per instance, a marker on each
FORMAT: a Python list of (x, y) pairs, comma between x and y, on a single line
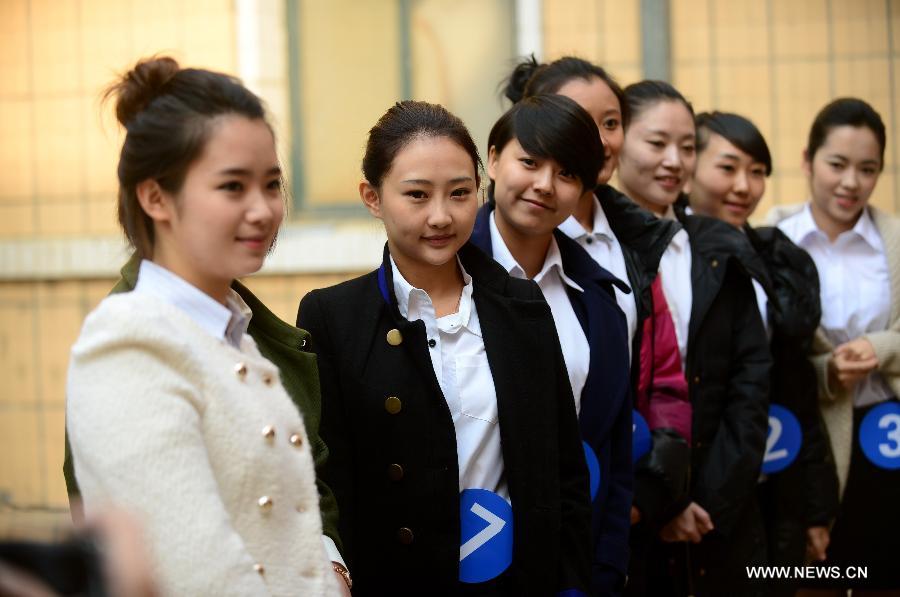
[(776, 62)]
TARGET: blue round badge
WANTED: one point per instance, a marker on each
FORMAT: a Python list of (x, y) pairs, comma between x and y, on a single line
[(879, 435), (640, 436), (784, 440), (486, 522), (593, 469)]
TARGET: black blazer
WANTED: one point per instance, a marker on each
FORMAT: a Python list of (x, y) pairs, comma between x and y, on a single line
[(395, 473)]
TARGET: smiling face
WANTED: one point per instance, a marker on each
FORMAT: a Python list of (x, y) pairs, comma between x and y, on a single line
[(221, 223), (658, 155), (728, 183), (842, 175), (598, 100), (427, 201), (533, 195)]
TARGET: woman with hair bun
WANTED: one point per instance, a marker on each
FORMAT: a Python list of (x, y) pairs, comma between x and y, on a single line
[(798, 492), (172, 412), (855, 352), (447, 408)]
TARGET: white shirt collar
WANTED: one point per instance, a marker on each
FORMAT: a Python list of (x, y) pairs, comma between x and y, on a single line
[(226, 322), (601, 229), (411, 301), (506, 259), (864, 228)]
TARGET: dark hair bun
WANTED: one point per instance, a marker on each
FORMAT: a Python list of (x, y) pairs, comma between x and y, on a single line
[(141, 85), (518, 80)]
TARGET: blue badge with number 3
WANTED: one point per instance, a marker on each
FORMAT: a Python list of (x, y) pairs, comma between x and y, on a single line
[(640, 436), (486, 525), (784, 440), (879, 435)]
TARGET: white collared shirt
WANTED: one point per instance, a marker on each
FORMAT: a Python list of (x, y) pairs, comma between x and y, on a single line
[(460, 364), (553, 280), (675, 269), (603, 246), (855, 287), (226, 323)]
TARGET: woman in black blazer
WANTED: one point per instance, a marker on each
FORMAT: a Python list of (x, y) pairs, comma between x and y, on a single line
[(454, 450)]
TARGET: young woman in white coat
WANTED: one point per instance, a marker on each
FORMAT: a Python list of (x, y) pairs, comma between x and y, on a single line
[(172, 412)]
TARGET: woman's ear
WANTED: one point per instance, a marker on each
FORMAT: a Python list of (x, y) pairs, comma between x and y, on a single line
[(370, 199), (492, 162), (155, 202), (806, 164)]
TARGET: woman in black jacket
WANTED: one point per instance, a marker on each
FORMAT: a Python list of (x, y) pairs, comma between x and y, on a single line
[(799, 490), (717, 530), (455, 453)]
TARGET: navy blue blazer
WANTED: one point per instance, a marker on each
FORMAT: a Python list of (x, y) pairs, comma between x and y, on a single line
[(605, 419)]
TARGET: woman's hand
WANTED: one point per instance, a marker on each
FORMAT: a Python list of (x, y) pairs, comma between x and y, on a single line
[(635, 515), (851, 362), (690, 525), (817, 540)]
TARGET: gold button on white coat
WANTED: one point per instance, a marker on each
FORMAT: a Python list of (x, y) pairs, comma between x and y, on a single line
[(296, 440), (394, 337), (240, 370), (265, 503), (268, 432), (259, 568), (268, 379), (300, 508)]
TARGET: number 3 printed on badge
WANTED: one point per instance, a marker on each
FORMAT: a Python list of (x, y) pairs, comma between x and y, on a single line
[(879, 435)]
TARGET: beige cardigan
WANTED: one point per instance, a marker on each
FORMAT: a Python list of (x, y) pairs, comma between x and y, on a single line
[(836, 404), (201, 443)]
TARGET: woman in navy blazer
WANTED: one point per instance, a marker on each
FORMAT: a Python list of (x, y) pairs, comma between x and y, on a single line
[(543, 153), (454, 451)]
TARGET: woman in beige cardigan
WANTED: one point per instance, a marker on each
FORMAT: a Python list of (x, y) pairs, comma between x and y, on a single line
[(172, 412), (856, 350)]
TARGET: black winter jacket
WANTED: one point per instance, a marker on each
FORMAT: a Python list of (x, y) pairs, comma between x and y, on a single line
[(728, 371), (806, 493)]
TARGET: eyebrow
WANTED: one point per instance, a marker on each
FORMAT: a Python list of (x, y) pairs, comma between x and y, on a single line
[(276, 171), (846, 159), (424, 181), (730, 156)]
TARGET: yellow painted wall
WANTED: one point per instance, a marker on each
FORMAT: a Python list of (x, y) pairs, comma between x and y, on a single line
[(774, 61)]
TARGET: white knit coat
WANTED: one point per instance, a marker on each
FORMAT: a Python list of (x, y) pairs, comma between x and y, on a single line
[(201, 442)]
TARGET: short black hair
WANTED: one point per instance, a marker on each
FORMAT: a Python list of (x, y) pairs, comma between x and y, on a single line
[(845, 111), (554, 127), (738, 131)]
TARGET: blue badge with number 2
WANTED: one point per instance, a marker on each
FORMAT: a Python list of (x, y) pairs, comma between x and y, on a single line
[(879, 435), (784, 440), (486, 524)]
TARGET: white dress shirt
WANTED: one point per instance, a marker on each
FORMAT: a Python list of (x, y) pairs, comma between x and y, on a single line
[(461, 367), (226, 323), (601, 244), (854, 285), (675, 269), (552, 280)]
